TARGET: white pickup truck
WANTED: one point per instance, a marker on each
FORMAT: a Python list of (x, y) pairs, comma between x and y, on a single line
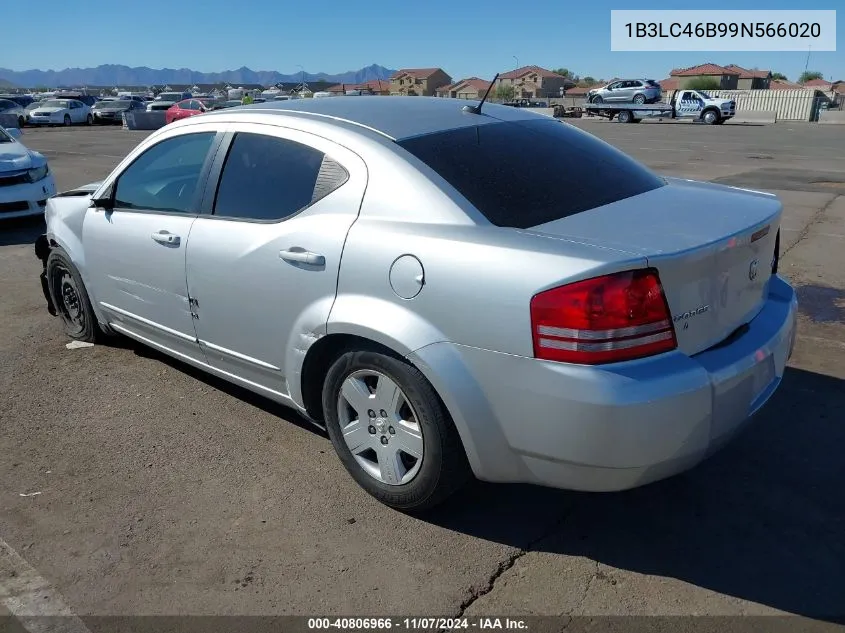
[(686, 104)]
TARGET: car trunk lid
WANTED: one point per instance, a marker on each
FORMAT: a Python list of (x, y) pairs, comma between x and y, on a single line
[(712, 245)]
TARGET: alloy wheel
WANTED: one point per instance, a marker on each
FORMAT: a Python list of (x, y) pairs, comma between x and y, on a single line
[(380, 427)]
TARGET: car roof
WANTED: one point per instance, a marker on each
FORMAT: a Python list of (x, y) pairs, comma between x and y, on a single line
[(395, 117)]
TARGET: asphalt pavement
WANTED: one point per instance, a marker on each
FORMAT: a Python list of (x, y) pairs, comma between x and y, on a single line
[(163, 491)]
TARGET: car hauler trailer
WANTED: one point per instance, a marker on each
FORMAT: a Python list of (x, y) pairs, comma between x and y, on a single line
[(686, 104)]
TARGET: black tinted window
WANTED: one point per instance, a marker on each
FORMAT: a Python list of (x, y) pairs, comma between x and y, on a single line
[(521, 174), (165, 177), (269, 178)]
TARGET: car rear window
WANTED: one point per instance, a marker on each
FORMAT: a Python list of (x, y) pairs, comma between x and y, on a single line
[(526, 173)]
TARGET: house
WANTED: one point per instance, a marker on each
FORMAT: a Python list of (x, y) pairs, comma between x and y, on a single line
[(821, 84), (532, 82), (579, 91), (373, 87), (726, 78), (415, 82), (289, 87), (782, 84), (469, 88), (751, 79), (670, 84)]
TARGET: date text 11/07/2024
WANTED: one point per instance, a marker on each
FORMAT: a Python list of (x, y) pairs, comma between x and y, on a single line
[(724, 29), (417, 623)]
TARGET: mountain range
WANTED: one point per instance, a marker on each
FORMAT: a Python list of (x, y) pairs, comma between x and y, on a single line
[(117, 75)]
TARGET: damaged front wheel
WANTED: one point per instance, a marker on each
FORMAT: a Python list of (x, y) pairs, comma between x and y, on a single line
[(70, 299)]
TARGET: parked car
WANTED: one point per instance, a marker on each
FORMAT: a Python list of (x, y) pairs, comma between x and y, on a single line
[(188, 108), (112, 111), (29, 109), (87, 99), (231, 103), (25, 179), (527, 103), (21, 100), (10, 107), (627, 91), (166, 99), (61, 112), (555, 326)]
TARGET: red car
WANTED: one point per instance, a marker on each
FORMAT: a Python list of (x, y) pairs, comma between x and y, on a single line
[(186, 108)]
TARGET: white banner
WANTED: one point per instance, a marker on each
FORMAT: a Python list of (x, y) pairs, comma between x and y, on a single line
[(758, 30)]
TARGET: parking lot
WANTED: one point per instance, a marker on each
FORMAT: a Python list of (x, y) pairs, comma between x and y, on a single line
[(163, 491)]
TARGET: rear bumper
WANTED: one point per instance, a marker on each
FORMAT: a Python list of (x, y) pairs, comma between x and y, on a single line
[(610, 428)]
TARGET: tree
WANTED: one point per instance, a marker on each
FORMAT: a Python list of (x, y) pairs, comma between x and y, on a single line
[(588, 81), (504, 92), (809, 75), (779, 77), (565, 72), (703, 83)]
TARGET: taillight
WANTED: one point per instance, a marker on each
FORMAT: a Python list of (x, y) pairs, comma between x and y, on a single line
[(603, 320)]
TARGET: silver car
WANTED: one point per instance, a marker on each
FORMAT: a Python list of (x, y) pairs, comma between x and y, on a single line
[(450, 293), (627, 91)]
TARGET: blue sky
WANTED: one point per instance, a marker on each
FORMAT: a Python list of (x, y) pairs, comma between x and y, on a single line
[(465, 38)]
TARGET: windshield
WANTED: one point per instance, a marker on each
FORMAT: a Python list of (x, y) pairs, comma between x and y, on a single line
[(705, 95), (122, 103), (170, 96), (5, 104), (526, 173), (55, 103)]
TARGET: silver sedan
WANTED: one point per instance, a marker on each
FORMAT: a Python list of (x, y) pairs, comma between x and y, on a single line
[(449, 292)]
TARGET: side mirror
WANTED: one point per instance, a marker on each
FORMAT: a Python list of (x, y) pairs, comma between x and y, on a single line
[(14, 132), (107, 204), (105, 201)]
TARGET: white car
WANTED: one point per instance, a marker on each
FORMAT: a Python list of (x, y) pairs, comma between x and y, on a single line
[(25, 178), (61, 112)]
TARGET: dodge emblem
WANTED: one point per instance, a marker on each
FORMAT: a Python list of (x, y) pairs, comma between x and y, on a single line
[(752, 270)]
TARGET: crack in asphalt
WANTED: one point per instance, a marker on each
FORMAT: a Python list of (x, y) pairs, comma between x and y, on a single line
[(508, 563), (586, 592), (817, 217)]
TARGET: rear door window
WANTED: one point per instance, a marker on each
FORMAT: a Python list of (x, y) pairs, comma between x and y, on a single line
[(266, 178), (526, 173)]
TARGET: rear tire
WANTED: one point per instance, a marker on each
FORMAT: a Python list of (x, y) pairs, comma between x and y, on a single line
[(639, 99), (711, 117), (412, 416), (71, 298), (89, 120), (67, 121)]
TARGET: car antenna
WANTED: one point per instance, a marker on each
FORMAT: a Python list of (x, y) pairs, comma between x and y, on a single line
[(477, 109)]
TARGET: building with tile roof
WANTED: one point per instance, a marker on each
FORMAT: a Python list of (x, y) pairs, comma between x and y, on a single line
[(727, 78), (751, 79), (469, 88), (422, 82), (532, 82)]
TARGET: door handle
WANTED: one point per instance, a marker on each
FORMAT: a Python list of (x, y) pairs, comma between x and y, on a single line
[(303, 257), (164, 237)]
